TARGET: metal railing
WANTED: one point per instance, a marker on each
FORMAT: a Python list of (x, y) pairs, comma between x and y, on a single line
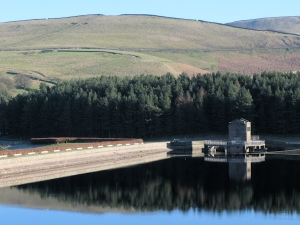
[(246, 143), (224, 143), (215, 142)]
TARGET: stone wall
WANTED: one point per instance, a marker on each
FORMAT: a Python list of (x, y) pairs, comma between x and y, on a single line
[(239, 130)]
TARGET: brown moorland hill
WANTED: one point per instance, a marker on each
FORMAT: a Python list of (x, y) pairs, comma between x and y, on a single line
[(282, 61)]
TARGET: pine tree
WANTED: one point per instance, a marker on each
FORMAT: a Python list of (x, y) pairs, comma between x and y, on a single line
[(243, 104), (184, 114), (201, 118), (66, 119), (215, 108), (103, 116)]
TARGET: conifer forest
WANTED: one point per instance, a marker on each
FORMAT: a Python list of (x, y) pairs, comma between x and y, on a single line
[(148, 106)]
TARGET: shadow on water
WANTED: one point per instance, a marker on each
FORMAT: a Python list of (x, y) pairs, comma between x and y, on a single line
[(176, 183)]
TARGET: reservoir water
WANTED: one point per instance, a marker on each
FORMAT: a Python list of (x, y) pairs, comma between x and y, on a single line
[(173, 191)]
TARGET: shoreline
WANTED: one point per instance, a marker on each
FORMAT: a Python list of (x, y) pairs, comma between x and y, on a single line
[(51, 162), (22, 169)]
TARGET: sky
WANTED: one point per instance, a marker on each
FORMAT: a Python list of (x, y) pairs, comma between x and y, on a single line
[(220, 11)]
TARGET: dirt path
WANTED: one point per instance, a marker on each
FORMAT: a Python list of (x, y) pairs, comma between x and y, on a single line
[(27, 169)]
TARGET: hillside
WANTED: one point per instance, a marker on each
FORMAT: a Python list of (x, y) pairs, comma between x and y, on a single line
[(146, 33), (289, 24), (93, 45)]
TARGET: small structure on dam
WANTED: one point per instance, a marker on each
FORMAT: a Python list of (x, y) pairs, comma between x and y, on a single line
[(240, 150), (240, 140)]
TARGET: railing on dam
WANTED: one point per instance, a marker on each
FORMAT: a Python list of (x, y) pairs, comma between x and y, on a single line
[(246, 143), (215, 142), (225, 143)]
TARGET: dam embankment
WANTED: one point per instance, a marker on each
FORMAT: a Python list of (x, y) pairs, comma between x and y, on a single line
[(31, 167)]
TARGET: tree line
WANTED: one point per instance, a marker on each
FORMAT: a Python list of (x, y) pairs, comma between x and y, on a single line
[(153, 106)]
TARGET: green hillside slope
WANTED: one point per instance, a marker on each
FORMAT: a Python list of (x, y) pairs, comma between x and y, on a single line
[(94, 45), (134, 32)]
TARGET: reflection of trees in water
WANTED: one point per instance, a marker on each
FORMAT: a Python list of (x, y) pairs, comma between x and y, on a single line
[(277, 183), (182, 184)]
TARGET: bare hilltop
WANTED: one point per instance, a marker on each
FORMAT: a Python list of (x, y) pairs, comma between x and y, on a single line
[(289, 24)]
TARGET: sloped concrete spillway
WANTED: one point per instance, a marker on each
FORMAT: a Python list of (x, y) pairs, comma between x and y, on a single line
[(22, 169)]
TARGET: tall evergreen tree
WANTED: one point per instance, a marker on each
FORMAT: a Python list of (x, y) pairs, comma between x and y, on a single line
[(201, 121)]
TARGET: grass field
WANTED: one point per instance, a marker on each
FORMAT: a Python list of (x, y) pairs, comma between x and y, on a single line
[(68, 65)]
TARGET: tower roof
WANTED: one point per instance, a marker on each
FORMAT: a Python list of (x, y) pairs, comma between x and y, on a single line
[(240, 120)]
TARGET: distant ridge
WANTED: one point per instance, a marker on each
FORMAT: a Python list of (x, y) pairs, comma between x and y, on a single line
[(52, 18), (145, 15), (287, 24), (152, 15)]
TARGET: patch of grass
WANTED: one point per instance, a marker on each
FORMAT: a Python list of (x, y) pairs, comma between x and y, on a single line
[(202, 60), (73, 64), (15, 92)]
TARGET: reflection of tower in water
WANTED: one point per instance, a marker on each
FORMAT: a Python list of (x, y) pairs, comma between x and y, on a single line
[(239, 151), (239, 165), (240, 171)]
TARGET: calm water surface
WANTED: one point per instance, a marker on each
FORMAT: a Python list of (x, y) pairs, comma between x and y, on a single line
[(173, 191)]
